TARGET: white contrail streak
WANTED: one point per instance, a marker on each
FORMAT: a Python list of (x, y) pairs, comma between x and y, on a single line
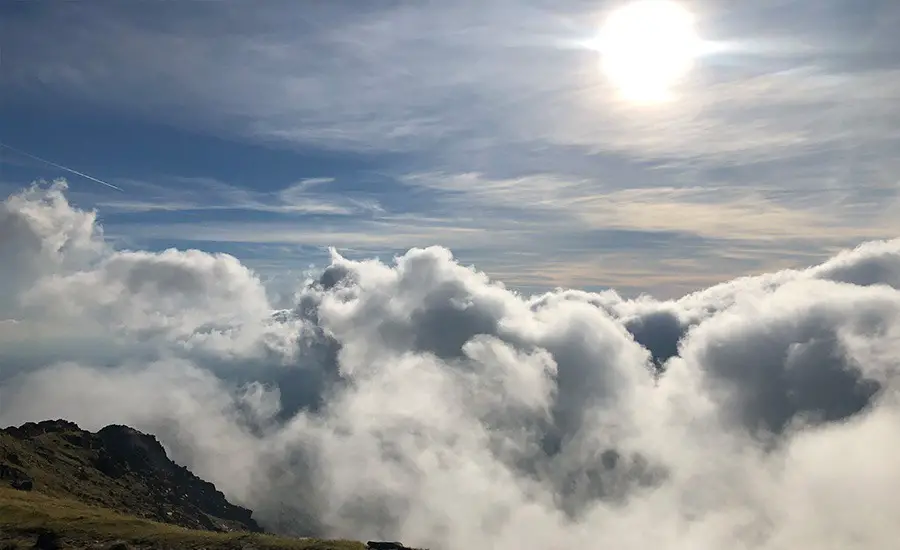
[(60, 166)]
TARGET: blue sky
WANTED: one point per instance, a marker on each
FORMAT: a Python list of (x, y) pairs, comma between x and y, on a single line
[(275, 129)]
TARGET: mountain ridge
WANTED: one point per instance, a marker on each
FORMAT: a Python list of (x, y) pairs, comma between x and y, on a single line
[(65, 487), (118, 468)]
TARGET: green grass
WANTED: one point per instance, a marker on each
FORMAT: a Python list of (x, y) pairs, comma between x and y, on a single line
[(25, 514)]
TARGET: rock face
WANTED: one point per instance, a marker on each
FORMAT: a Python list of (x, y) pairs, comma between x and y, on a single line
[(119, 468), (14, 475), (384, 545)]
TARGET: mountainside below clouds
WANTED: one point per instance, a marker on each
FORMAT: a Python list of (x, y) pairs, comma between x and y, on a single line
[(64, 487), (117, 468)]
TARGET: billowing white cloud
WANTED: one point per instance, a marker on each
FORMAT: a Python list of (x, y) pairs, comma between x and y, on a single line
[(61, 276), (422, 401)]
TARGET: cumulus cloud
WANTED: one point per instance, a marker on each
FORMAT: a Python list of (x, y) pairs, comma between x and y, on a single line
[(420, 400)]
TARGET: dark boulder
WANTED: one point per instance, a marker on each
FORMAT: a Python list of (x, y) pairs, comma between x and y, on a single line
[(47, 540), (384, 545), (22, 484), (17, 478)]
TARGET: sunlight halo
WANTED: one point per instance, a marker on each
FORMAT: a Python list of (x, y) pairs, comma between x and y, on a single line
[(647, 47)]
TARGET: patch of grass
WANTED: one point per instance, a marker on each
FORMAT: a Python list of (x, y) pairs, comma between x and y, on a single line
[(23, 515)]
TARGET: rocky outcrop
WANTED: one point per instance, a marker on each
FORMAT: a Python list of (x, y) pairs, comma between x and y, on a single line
[(15, 476), (118, 467), (385, 545), (22, 484)]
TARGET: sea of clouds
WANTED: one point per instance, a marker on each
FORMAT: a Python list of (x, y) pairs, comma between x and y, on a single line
[(421, 401)]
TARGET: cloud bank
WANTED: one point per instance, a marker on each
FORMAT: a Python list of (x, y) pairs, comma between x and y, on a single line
[(419, 400)]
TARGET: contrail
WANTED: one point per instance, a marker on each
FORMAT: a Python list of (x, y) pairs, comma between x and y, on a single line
[(60, 166)]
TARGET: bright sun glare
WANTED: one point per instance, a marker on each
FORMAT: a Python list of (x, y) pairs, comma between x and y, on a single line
[(647, 47)]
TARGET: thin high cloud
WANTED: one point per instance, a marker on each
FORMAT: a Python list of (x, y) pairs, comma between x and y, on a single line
[(412, 76), (548, 231), (721, 212), (420, 400), (179, 194), (783, 144)]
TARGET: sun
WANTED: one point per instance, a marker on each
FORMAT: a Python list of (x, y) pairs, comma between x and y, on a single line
[(647, 47)]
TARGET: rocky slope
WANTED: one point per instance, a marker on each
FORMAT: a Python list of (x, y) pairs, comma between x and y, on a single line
[(117, 468)]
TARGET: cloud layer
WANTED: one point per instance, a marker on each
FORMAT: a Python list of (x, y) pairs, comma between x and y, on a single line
[(419, 400)]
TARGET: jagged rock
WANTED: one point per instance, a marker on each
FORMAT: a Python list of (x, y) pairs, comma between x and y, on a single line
[(108, 466), (17, 478), (136, 450), (385, 545), (32, 429)]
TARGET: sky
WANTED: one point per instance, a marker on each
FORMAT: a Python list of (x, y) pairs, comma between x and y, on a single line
[(424, 271), (274, 130)]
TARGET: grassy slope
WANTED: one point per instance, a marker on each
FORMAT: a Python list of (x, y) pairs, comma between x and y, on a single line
[(90, 510), (25, 514), (53, 463)]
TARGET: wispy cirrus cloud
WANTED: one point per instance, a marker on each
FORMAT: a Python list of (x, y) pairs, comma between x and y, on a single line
[(465, 76), (208, 194), (755, 212), (554, 231), (490, 117)]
